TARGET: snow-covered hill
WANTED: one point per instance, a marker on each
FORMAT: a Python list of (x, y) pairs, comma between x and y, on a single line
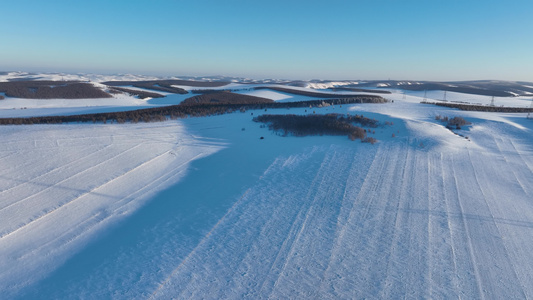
[(204, 208)]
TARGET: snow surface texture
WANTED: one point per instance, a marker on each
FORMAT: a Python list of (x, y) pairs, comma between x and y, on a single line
[(396, 220), (61, 185), (128, 211)]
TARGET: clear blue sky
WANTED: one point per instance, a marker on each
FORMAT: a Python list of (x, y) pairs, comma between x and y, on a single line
[(372, 39)]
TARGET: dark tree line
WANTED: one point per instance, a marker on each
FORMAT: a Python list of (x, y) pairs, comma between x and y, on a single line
[(139, 94), (226, 98), (469, 107), (329, 124), (166, 85), (51, 90), (304, 93), (208, 91), (181, 111), (157, 85)]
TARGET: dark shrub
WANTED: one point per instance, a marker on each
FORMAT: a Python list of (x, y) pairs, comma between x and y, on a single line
[(51, 90), (298, 125), (370, 140)]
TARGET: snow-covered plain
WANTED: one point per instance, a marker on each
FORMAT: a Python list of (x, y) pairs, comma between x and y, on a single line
[(203, 208)]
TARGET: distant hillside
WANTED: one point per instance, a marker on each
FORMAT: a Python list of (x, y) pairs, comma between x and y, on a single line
[(225, 98), (138, 93), (481, 87), (167, 85), (51, 90), (460, 88), (303, 93), (342, 89)]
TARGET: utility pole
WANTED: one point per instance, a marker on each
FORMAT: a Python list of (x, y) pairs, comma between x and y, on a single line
[(492, 101), (530, 108), (425, 96), (444, 96)]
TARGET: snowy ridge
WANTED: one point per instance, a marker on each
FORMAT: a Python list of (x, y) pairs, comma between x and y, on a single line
[(91, 178), (72, 77), (328, 85)]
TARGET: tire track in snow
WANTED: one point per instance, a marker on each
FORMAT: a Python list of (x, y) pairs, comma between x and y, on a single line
[(357, 174), (505, 208), (460, 242), (231, 230), (153, 185), (257, 275), (526, 162), (34, 160), (411, 223), (93, 166), (500, 145), (354, 245), (193, 252), (384, 215), (375, 182), (48, 213), (280, 245), (323, 212), (303, 219), (57, 185), (502, 266), (524, 169), (280, 260), (161, 290), (30, 181), (39, 249), (358, 243), (398, 261), (442, 262), (418, 227)]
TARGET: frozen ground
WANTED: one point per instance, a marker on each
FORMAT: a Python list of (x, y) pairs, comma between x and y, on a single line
[(202, 208), (60, 186)]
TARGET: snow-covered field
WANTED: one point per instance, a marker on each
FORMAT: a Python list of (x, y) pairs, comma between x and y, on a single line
[(203, 208), (61, 186)]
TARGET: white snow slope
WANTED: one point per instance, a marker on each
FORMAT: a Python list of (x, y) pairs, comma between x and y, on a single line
[(396, 220), (61, 185), (98, 211)]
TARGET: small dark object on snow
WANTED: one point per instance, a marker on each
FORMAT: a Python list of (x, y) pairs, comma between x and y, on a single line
[(262, 138)]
